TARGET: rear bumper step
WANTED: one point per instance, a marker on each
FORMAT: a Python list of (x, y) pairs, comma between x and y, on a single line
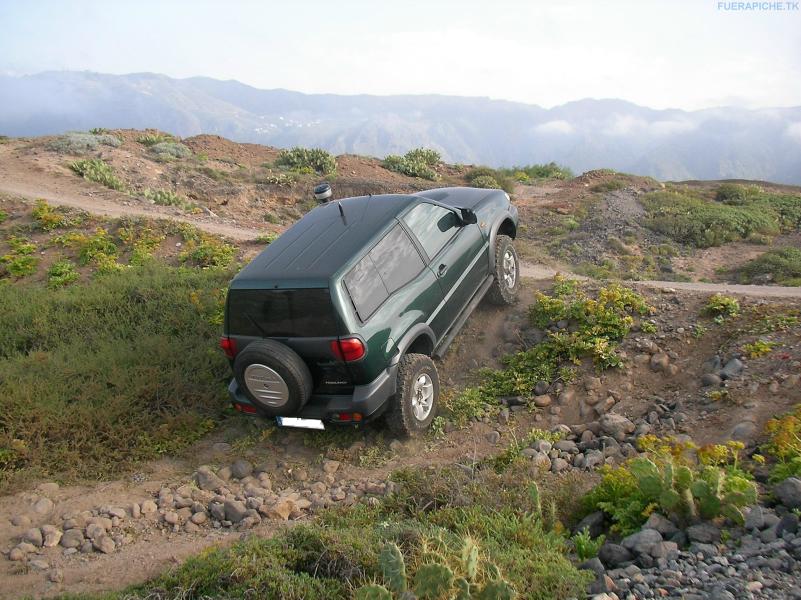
[(369, 400)]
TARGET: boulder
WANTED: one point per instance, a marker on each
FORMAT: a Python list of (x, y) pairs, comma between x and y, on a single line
[(241, 468), (616, 426), (642, 541), (614, 555), (704, 533), (789, 492), (207, 480), (235, 510)]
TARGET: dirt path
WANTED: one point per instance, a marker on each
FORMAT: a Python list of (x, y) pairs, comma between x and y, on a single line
[(19, 178)]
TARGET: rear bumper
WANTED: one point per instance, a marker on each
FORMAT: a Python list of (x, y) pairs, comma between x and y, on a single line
[(368, 400)]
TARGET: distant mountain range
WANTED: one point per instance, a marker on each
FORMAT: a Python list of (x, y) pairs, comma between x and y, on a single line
[(717, 143)]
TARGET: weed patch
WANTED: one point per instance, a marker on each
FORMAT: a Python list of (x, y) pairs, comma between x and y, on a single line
[(486, 177), (167, 151), (81, 143), (782, 266), (97, 376), (61, 273), (151, 139)]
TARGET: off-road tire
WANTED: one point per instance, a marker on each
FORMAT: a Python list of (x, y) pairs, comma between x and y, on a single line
[(400, 415), (500, 291), (284, 361)]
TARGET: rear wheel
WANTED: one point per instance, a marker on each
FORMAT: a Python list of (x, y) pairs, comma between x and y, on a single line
[(507, 273), (273, 377), (417, 397)]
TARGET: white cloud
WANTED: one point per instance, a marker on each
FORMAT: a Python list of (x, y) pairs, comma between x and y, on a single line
[(793, 131), (558, 126), (623, 125), (671, 127)]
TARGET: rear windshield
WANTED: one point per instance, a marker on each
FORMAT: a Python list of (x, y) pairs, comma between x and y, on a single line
[(281, 313)]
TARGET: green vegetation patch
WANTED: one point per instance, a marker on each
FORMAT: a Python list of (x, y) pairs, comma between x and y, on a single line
[(781, 265), (151, 139), (99, 171), (528, 173), (168, 151), (19, 262), (784, 445), (486, 177), (419, 162), (702, 223), (594, 325), (61, 273), (483, 527), (97, 376), (676, 479), (308, 160), (608, 186), (79, 143)]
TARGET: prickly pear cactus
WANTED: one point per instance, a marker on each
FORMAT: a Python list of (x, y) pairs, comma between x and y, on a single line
[(373, 591), (393, 568), (433, 581), (470, 558), (462, 589)]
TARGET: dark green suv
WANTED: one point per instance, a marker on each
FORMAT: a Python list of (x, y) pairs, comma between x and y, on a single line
[(338, 319)]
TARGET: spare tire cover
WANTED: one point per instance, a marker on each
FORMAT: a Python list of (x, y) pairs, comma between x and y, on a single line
[(273, 377)]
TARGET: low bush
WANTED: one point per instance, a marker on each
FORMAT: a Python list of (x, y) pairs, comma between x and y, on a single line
[(608, 186), (720, 305), (151, 139), (784, 445), (594, 326), (99, 171), (61, 273), (3, 216), (544, 171), (680, 480), (81, 143), (167, 151), (19, 262), (487, 177), (731, 193), (419, 162), (208, 252), (97, 376), (781, 265), (312, 160), (702, 223), (48, 218)]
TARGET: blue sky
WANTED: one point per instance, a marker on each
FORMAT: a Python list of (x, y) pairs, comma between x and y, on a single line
[(682, 53)]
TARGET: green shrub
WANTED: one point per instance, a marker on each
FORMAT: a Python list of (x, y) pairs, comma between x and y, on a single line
[(209, 252), (784, 445), (48, 218), (167, 151), (61, 273), (103, 374), (97, 249), (586, 547), (3, 216), (486, 177), (545, 171), (151, 139), (609, 186), (419, 162), (595, 326), (731, 193), (720, 305), (168, 198), (313, 160), (671, 481), (782, 265), (81, 143), (702, 223), (99, 171), (19, 262)]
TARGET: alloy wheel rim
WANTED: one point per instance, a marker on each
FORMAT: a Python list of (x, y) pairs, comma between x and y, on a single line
[(509, 269), (422, 397)]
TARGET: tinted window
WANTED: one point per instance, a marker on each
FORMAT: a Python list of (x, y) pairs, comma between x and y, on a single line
[(392, 263), (432, 225), (281, 313), (366, 288), (396, 259)]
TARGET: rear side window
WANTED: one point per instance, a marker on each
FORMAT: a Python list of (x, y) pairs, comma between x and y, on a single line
[(392, 263), (432, 225), (281, 313)]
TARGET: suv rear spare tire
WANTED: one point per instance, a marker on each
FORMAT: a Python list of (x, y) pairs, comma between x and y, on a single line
[(273, 377), (416, 399)]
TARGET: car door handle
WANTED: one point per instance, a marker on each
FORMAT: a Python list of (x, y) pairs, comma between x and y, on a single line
[(442, 270)]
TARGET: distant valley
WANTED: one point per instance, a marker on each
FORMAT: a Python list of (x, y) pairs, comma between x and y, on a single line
[(721, 143)]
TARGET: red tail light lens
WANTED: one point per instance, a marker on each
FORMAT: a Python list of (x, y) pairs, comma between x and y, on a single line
[(348, 349), (228, 347), (245, 408)]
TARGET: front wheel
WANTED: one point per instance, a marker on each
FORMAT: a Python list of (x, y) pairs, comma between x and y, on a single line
[(416, 400), (507, 273)]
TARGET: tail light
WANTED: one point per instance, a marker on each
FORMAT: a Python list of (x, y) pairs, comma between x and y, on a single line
[(245, 408), (228, 347), (348, 349)]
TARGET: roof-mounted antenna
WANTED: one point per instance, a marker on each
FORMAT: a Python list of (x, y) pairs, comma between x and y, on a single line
[(342, 213)]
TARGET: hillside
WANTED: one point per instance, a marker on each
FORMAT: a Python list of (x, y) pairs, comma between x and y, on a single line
[(604, 438), (588, 134)]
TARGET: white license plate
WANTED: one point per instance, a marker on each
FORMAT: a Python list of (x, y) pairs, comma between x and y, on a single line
[(302, 423)]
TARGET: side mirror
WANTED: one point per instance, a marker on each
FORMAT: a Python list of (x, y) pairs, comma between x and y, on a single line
[(468, 216)]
